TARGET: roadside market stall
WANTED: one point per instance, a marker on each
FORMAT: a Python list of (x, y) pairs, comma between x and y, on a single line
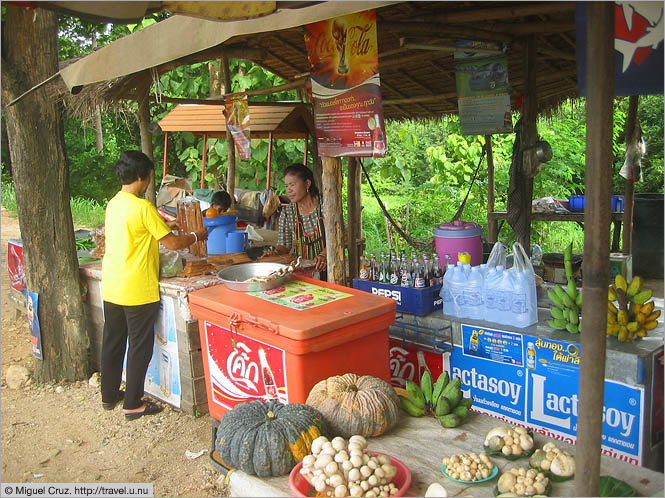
[(559, 81)]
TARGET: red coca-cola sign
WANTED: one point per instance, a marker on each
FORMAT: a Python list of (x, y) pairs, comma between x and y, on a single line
[(243, 369), (15, 265), (408, 363)]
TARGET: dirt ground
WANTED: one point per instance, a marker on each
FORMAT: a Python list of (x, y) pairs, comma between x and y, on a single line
[(60, 433)]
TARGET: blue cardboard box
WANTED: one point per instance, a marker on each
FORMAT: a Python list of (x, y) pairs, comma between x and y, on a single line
[(409, 300)]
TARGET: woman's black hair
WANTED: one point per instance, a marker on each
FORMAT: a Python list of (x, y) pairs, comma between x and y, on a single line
[(304, 173), (132, 165), (221, 198)]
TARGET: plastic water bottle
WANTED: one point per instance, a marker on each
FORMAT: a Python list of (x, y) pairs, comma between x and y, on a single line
[(473, 295), (457, 286), (490, 293), (467, 269), (505, 290), (446, 295)]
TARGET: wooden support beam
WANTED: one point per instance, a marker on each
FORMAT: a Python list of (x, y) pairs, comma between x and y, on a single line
[(507, 12), (533, 28), (146, 143), (400, 94), (438, 29), (230, 144), (218, 52), (595, 266), (492, 224), (334, 220), (628, 199), (353, 214), (204, 159), (529, 136), (425, 98), (166, 153)]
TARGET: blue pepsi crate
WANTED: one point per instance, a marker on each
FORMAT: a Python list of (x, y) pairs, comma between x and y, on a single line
[(409, 300)]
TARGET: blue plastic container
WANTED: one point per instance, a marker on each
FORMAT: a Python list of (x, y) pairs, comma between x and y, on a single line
[(409, 300), (218, 229), (577, 203)]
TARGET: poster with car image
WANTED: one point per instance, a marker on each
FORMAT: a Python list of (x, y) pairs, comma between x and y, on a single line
[(483, 90)]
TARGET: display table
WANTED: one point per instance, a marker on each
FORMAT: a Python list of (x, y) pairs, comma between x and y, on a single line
[(531, 376), (421, 443), (175, 374)]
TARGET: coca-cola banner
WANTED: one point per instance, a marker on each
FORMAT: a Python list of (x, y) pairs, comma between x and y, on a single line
[(299, 295), (236, 111), (409, 361), (243, 369), (346, 88)]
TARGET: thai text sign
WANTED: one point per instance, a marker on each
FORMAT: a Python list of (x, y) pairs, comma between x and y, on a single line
[(346, 93)]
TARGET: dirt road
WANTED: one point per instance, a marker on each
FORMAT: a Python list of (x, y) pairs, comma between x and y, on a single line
[(60, 433)]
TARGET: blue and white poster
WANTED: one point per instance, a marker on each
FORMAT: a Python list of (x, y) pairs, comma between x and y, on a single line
[(495, 345), (32, 307), (638, 48), (497, 390)]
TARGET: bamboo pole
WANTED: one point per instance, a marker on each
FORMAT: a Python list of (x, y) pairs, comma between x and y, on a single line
[(231, 152), (627, 238), (332, 214), (269, 169), (166, 151), (492, 224), (353, 203), (599, 94), (204, 160)]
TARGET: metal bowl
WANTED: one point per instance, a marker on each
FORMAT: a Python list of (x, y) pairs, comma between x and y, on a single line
[(234, 277)]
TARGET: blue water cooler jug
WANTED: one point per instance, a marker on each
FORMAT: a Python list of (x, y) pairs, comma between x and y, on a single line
[(218, 229)]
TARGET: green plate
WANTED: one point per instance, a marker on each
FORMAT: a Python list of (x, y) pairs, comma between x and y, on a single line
[(552, 477), (493, 474), (492, 452), (547, 492)]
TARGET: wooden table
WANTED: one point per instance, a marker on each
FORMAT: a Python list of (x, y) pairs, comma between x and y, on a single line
[(578, 218)]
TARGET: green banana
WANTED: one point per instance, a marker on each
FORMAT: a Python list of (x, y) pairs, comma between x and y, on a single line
[(450, 420), (455, 398), (426, 386), (642, 297), (554, 297), (573, 329), (557, 324), (557, 313), (574, 319), (439, 386), (611, 293), (410, 408), (578, 300), (572, 290), (634, 287), (416, 394), (465, 402), (563, 295), (453, 385), (461, 411), (442, 406)]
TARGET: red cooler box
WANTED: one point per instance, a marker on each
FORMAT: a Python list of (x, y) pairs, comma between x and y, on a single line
[(277, 344)]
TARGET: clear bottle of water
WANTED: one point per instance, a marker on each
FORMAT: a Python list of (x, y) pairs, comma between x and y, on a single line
[(457, 285), (473, 295), (446, 295)]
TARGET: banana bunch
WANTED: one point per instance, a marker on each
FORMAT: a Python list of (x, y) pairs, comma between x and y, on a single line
[(568, 301), (442, 399), (633, 315)]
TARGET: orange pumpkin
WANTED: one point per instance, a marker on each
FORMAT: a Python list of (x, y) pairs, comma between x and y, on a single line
[(356, 405)]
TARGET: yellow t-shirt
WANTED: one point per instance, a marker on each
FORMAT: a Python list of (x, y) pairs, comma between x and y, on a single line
[(130, 268)]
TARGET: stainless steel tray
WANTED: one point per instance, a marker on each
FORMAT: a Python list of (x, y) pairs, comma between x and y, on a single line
[(234, 277)]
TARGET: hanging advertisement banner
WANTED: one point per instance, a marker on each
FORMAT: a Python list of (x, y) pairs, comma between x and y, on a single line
[(32, 307), (236, 111), (638, 48), (346, 88), (483, 92)]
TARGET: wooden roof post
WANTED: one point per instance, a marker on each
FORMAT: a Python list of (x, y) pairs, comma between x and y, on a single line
[(333, 218), (166, 153), (597, 215), (627, 238), (231, 152), (269, 170), (304, 160), (529, 135), (146, 140), (353, 209), (203, 160), (492, 224)]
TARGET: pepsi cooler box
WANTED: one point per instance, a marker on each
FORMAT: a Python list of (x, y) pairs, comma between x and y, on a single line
[(408, 300)]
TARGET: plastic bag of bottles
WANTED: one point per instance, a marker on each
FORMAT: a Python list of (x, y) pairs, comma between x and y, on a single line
[(525, 298), (498, 256)]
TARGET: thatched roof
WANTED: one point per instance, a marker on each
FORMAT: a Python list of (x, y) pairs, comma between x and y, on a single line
[(416, 82)]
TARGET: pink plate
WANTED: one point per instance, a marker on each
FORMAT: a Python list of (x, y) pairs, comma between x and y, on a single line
[(301, 487)]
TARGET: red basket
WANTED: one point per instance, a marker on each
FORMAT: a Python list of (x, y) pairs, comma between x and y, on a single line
[(301, 487)]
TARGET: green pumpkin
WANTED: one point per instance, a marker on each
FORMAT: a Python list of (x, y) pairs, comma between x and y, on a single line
[(267, 439), (356, 405)]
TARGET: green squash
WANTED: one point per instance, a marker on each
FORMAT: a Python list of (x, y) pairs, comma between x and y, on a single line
[(267, 439), (356, 405)]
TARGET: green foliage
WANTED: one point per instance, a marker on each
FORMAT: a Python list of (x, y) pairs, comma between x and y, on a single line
[(8, 195)]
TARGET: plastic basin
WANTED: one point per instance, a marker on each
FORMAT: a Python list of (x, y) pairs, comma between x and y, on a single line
[(300, 486)]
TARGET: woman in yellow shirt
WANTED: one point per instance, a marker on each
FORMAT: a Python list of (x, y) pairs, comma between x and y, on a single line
[(130, 284)]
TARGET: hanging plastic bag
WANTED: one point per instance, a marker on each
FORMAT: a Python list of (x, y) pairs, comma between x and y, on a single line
[(497, 257), (524, 306), (170, 263)]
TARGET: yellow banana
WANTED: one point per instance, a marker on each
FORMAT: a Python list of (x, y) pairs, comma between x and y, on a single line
[(613, 329), (641, 332), (633, 326), (611, 318), (611, 307), (646, 308), (653, 316), (651, 325), (622, 317), (641, 318), (611, 294), (623, 334), (634, 287), (636, 308), (620, 282)]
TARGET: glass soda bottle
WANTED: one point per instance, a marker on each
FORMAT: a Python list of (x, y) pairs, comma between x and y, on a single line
[(405, 272), (384, 271), (437, 274), (394, 277), (373, 268), (427, 269), (364, 268)]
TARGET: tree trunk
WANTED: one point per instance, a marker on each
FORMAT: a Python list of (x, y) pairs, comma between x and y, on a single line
[(333, 218), (215, 72), (353, 202), (146, 143), (41, 178), (99, 135), (231, 171)]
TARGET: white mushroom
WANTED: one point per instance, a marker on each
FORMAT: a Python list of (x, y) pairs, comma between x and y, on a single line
[(341, 456), (365, 471), (354, 475), (341, 490), (331, 468), (356, 461), (322, 461), (308, 461), (338, 443), (356, 490)]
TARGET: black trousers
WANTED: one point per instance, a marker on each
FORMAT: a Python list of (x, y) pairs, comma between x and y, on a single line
[(136, 323)]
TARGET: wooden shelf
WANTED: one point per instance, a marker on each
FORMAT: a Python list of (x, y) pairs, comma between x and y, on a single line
[(578, 217)]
